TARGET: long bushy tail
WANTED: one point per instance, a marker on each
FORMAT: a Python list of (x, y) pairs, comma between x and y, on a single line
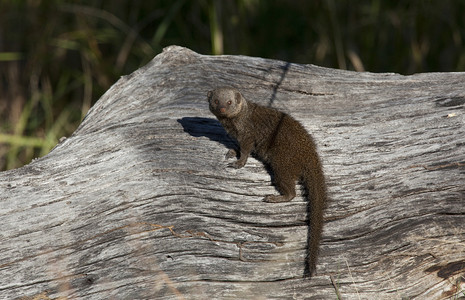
[(314, 183)]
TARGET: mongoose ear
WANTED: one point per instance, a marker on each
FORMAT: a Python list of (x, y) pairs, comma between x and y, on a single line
[(238, 97), (209, 94)]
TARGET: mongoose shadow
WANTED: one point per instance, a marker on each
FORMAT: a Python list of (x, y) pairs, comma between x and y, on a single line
[(285, 69), (207, 127), (212, 129)]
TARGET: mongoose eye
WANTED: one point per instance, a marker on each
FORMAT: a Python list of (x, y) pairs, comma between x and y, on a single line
[(229, 102), (216, 101)]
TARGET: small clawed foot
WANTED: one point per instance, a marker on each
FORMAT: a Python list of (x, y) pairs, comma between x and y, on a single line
[(236, 165), (230, 154)]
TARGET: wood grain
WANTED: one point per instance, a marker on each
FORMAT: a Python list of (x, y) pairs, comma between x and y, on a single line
[(138, 202)]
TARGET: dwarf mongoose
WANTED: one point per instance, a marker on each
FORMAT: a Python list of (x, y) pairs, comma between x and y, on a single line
[(284, 144)]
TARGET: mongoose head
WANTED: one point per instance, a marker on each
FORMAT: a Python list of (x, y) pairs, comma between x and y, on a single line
[(225, 102)]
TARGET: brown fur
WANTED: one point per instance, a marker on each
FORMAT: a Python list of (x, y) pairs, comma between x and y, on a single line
[(285, 145)]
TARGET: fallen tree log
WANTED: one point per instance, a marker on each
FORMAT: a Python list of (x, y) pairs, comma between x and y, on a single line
[(138, 202)]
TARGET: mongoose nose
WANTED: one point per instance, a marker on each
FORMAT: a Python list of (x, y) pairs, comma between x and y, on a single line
[(222, 110)]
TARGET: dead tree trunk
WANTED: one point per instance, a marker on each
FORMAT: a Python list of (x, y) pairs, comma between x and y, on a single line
[(138, 203)]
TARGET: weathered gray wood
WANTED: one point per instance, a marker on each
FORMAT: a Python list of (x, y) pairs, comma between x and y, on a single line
[(138, 203)]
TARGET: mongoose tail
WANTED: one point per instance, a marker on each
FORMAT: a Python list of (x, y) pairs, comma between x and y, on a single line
[(314, 183)]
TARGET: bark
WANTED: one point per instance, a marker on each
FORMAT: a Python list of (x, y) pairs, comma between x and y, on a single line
[(138, 202)]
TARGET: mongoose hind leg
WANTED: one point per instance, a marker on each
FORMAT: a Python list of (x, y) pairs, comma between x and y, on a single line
[(286, 186)]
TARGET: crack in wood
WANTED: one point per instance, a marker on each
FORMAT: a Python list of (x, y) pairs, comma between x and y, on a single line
[(438, 167), (419, 191), (316, 94), (240, 245), (448, 270), (154, 227)]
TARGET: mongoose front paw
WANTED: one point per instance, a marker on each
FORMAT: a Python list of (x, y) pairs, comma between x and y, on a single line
[(230, 154), (237, 164)]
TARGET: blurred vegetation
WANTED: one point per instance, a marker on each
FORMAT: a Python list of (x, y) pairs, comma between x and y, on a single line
[(58, 57)]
